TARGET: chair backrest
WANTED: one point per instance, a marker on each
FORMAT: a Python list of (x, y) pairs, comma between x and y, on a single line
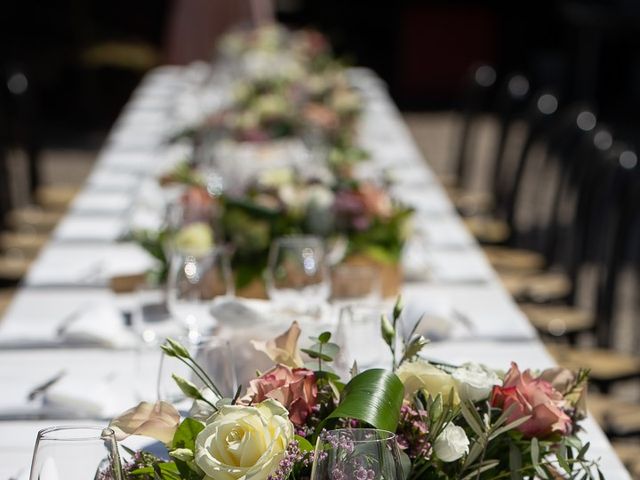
[(477, 96), (511, 103), (617, 227), (540, 117)]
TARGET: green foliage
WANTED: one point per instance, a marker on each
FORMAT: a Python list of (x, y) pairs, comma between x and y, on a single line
[(373, 397)]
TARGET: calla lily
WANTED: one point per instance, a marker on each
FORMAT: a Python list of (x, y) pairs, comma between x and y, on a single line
[(284, 348), (159, 421)]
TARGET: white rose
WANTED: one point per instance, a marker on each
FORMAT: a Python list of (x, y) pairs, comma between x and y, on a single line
[(421, 375), (474, 381), (320, 197), (451, 444), (244, 442)]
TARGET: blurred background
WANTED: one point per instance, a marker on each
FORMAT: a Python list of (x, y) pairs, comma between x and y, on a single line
[(473, 79)]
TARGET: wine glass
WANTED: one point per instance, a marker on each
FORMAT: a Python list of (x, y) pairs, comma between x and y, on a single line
[(215, 357), (359, 332), (297, 275), (194, 282), (356, 453), (72, 453)]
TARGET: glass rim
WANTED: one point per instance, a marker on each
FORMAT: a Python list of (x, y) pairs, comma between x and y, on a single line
[(388, 434), (104, 433), (285, 239)]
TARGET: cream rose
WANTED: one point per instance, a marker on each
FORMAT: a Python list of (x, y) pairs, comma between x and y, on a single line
[(195, 239), (451, 444), (244, 442), (474, 382), (421, 375)]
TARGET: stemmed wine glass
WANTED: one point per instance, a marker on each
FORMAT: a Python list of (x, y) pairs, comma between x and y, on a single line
[(297, 274), (362, 453), (194, 282), (76, 453)]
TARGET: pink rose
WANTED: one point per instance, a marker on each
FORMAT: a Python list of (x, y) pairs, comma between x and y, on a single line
[(295, 388), (532, 396)]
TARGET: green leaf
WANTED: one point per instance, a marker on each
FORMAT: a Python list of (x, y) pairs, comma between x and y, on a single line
[(304, 444), (374, 397), (324, 337), (185, 436), (509, 426), (515, 462), (472, 418), (405, 462), (482, 467)]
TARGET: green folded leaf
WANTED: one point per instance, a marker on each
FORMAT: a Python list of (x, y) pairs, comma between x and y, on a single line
[(185, 436), (373, 397)]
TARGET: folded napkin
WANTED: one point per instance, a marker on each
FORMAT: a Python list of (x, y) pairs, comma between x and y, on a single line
[(101, 324), (433, 313), (91, 396)]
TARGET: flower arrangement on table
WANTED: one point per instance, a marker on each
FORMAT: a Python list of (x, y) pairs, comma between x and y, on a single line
[(467, 422), (358, 215), (294, 90), (358, 219)]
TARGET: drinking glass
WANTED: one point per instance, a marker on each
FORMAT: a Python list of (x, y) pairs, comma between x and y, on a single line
[(359, 334), (356, 453), (213, 354), (297, 275), (194, 282), (76, 453)]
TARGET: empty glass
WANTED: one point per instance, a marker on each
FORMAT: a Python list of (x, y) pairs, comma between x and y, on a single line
[(213, 354), (359, 337), (364, 453), (72, 453), (297, 275), (193, 283)]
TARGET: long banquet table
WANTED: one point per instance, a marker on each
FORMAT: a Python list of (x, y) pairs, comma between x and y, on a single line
[(72, 271)]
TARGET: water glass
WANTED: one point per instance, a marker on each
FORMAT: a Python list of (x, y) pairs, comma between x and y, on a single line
[(193, 283), (357, 453), (76, 453), (297, 275), (359, 335), (216, 358)]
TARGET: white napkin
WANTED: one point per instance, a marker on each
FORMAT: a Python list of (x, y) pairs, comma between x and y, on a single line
[(102, 324), (90, 395), (435, 314)]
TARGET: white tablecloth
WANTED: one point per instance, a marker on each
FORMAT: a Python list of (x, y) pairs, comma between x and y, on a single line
[(72, 271)]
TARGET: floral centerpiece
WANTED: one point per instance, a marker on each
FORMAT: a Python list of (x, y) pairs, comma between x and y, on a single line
[(466, 422), (358, 216)]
